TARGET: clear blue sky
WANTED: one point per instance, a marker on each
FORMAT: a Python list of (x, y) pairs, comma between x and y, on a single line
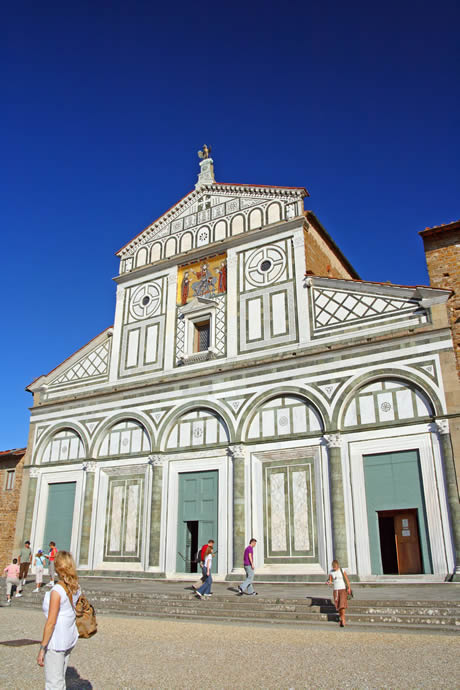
[(104, 106)]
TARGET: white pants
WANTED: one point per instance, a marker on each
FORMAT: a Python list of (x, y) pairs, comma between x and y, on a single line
[(10, 581), (55, 667)]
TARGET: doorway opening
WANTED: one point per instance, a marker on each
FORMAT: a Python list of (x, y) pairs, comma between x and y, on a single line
[(191, 546), (399, 542)]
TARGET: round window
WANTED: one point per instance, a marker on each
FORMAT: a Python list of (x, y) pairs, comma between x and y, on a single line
[(265, 265), (145, 300)]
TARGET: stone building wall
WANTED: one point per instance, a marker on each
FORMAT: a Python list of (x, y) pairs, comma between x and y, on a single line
[(9, 501), (442, 250)]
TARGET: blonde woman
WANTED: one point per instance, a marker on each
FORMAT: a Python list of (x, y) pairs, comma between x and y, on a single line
[(339, 579), (60, 633)]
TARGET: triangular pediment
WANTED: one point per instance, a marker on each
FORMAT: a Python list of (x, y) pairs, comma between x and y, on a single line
[(198, 213)]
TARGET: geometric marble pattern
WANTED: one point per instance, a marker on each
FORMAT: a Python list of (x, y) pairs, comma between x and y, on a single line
[(65, 445), (93, 364), (125, 438), (198, 428), (335, 306), (284, 416)]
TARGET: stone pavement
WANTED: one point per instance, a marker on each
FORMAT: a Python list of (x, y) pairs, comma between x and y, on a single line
[(133, 654)]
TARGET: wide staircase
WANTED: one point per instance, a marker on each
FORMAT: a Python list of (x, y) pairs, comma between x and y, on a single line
[(178, 602)]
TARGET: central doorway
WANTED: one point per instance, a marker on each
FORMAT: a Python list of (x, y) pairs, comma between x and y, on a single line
[(399, 542), (197, 518)]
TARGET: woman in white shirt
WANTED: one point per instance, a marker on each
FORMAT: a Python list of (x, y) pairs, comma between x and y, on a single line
[(60, 633), (339, 579), (205, 589)]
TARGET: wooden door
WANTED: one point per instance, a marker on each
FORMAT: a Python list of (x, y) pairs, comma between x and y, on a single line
[(407, 542)]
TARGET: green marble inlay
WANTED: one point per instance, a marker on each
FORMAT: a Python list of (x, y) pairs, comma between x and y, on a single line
[(238, 513), (339, 534), (155, 517), (31, 491), (87, 514)]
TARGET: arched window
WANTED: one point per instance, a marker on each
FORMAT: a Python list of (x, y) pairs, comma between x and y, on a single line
[(64, 445), (198, 428), (284, 416), (387, 401), (125, 438)]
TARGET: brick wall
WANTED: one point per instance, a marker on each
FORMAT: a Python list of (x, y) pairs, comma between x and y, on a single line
[(9, 502), (442, 251)]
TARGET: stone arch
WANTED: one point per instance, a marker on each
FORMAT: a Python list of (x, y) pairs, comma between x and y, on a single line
[(220, 230), (186, 242), (255, 219), (155, 252), (136, 442), (292, 422), (273, 213), (170, 247), (238, 224), (63, 442), (397, 396), (142, 257), (182, 413)]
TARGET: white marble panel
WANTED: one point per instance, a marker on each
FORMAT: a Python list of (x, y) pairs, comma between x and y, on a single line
[(422, 407), (254, 429), (254, 318), (197, 432), (367, 410), (136, 440), (273, 214), (211, 430), (151, 344), (278, 512), (172, 440), (268, 423), (279, 325), (115, 526), (132, 349), (299, 415), (300, 510), (385, 407), (114, 444), (237, 225), (131, 518), (220, 231), (315, 422), (405, 405), (283, 420), (184, 435), (350, 417)]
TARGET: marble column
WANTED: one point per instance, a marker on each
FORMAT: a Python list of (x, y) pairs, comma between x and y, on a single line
[(239, 527), (31, 492), (441, 427), (339, 535), (89, 468), (156, 463)]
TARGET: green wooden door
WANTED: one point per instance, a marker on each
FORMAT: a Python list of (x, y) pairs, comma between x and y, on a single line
[(198, 503), (394, 483), (59, 516)]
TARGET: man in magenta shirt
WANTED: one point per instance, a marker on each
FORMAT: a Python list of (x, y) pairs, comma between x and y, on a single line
[(248, 563)]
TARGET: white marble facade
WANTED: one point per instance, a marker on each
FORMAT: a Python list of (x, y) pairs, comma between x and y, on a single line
[(294, 360)]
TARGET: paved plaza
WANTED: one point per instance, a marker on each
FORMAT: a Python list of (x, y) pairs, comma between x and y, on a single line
[(147, 653)]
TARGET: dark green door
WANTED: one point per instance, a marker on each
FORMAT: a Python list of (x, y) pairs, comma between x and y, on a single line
[(59, 515), (394, 483), (197, 517)]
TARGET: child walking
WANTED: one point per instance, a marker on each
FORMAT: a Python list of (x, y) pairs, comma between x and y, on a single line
[(339, 579), (11, 573), (39, 568)]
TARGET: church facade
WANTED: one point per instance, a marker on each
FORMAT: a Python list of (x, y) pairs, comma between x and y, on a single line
[(251, 386)]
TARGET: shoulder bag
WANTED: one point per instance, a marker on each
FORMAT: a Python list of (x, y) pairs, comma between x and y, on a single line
[(85, 615)]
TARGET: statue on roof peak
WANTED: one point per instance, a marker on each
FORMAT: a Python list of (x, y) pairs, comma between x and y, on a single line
[(205, 153)]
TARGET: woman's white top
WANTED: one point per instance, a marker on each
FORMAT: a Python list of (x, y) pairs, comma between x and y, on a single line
[(337, 579), (208, 561), (65, 633)]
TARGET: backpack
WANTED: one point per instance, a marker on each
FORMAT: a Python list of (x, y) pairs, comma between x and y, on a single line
[(85, 615)]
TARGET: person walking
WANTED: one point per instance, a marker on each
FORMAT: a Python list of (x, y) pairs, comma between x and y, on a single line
[(205, 589), (202, 557), (339, 579), (11, 573), (39, 568), (60, 633), (25, 559), (51, 559), (248, 563)]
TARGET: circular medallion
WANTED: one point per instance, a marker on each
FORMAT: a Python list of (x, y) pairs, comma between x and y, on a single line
[(265, 265), (145, 301), (385, 407)]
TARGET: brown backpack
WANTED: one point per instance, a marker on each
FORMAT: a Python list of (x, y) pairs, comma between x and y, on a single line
[(85, 615)]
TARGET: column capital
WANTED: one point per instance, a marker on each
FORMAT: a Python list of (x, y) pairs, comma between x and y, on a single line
[(236, 451), (440, 426), (34, 472), (89, 466), (157, 460), (333, 440)]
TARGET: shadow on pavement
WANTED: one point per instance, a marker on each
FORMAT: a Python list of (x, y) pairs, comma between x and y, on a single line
[(74, 681)]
